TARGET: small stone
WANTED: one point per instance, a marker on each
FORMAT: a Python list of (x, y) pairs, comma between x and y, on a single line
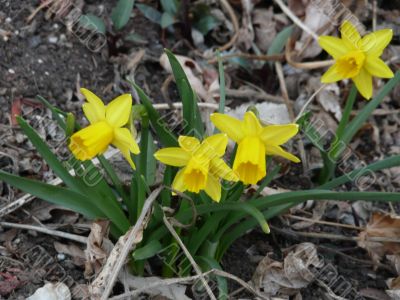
[(40, 61), (11, 71), (8, 20), (60, 256), (34, 41), (46, 73), (53, 39)]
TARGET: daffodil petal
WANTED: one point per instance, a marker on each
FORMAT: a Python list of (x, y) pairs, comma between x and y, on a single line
[(333, 45), (94, 110), (173, 156), (278, 134), (126, 153), (214, 146), (350, 35), (123, 137), (332, 75), (276, 150), (178, 184), (213, 188), (188, 143), (251, 124), (231, 126), (374, 43), (220, 169), (118, 110), (363, 82), (377, 67)]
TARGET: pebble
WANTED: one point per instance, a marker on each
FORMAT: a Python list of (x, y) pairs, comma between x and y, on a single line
[(8, 20), (46, 73), (34, 41), (11, 71), (53, 39), (60, 256), (40, 61)]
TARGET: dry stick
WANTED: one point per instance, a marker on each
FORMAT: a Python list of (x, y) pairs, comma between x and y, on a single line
[(65, 235), (299, 115), (337, 236), (295, 19), (161, 106), (285, 95), (39, 8), (274, 57), (103, 284), (306, 65), (323, 222), (190, 257), (9, 208), (171, 281), (235, 24), (253, 94)]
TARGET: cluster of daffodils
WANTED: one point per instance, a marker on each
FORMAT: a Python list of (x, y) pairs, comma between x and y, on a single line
[(357, 58), (201, 163)]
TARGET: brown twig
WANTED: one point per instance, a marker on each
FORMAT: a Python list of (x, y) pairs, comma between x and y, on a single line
[(323, 222), (225, 4)]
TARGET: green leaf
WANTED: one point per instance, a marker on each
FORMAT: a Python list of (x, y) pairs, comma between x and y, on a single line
[(121, 13), (221, 107), (92, 22), (149, 250), (136, 38), (56, 113), (206, 23), (150, 13), (50, 157), (166, 20), (53, 194), (151, 168), (191, 113), (170, 6), (167, 138), (280, 40), (208, 263)]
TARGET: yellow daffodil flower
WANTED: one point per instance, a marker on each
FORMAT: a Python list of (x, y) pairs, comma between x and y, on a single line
[(254, 143), (106, 127), (202, 166), (357, 58)]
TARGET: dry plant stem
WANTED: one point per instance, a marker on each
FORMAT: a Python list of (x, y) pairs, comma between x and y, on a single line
[(103, 284), (65, 235), (336, 236), (189, 279), (285, 95), (178, 105), (39, 8), (299, 115), (190, 257), (295, 19), (323, 222), (235, 23), (253, 94), (275, 57), (306, 65), (9, 208)]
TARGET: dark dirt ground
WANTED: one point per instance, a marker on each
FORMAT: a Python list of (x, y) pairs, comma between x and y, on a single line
[(43, 58)]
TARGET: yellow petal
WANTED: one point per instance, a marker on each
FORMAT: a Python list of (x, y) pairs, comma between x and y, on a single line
[(220, 169), (276, 150), (123, 137), (249, 161), (94, 110), (119, 110), (173, 156), (333, 45), (278, 134), (350, 35), (376, 67), (178, 184), (188, 143), (231, 126), (332, 75), (363, 82), (213, 146), (251, 124), (126, 153), (91, 141), (374, 43), (213, 188)]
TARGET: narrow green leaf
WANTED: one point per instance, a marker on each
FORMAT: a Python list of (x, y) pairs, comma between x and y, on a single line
[(221, 108), (93, 23), (149, 250), (169, 6), (191, 112), (208, 263), (150, 13), (280, 40), (166, 20), (53, 194), (167, 138), (121, 13)]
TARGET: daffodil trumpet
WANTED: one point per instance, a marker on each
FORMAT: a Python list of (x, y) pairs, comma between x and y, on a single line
[(357, 58), (201, 164), (254, 143), (106, 128)]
